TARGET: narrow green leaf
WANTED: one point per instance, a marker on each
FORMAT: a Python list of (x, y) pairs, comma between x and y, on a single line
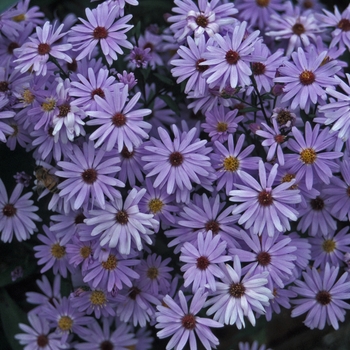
[(164, 79), (170, 103)]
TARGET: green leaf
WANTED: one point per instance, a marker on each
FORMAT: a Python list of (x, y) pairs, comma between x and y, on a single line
[(170, 103), (5, 4), (164, 79), (11, 315)]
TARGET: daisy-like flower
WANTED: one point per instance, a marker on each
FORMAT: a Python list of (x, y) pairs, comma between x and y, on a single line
[(296, 27), (322, 296), (178, 320), (341, 24), (38, 336), (273, 254), (101, 28), (231, 162), (306, 78), (309, 162), (228, 58), (220, 123), (121, 224), (138, 57), (330, 248), (16, 214), (187, 66), (35, 53), (236, 297), (121, 125), (201, 261), (337, 112), (179, 162), (263, 205), (207, 17), (90, 175)]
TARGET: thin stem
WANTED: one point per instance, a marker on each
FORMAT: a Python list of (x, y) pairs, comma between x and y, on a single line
[(55, 62)]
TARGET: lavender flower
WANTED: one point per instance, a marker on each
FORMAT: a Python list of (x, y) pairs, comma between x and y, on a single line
[(138, 58)]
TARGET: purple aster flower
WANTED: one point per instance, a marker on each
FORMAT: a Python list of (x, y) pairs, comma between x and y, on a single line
[(177, 163), (264, 206), (65, 318), (187, 66), (35, 53), (330, 248), (90, 175), (27, 14), (154, 272), (121, 124), (23, 178), (102, 337), (309, 162), (303, 253), (16, 214), (138, 58), (236, 297), (272, 254), (16, 273), (220, 123), (341, 24), (230, 162), (298, 28), (52, 253), (228, 58), (306, 78), (80, 252), (101, 28), (284, 117), (178, 320), (112, 273), (337, 112), (121, 224), (127, 79), (322, 295), (38, 336), (201, 261), (205, 18)]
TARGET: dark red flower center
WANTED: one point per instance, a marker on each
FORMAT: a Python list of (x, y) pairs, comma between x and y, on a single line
[(317, 203), (232, 57), (122, 217), (89, 176), (308, 4), (9, 210), (237, 290), (348, 191), (202, 263), (134, 291), (239, 107), (98, 92), (262, 3), (176, 159), (11, 47), (72, 66), (44, 49), (42, 340), (202, 21), (263, 258), (125, 153), (344, 25), (279, 138), (79, 219), (189, 322), (213, 226), (106, 345), (298, 29), (149, 46), (4, 86), (265, 198), (119, 120), (201, 68), (100, 33), (307, 77), (323, 297), (258, 68), (63, 110)]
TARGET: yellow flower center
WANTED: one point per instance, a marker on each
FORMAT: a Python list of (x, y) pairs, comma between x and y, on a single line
[(221, 127), (152, 273), (308, 155), (111, 263), (85, 252), (231, 164), (155, 205), (27, 97), (49, 105), (19, 18), (65, 323), (58, 251), (262, 3), (328, 246), (98, 298)]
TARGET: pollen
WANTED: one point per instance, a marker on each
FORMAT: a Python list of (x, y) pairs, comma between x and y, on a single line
[(44, 49), (289, 178), (85, 252), (221, 127), (265, 198), (155, 205), (323, 297), (308, 156), (98, 298), (176, 159), (231, 164), (119, 120), (232, 57), (152, 273), (258, 68), (111, 263), (27, 97), (237, 290), (298, 29), (65, 323), (58, 251), (19, 18), (344, 25), (329, 245), (49, 105), (202, 263), (100, 33), (189, 322), (284, 117), (122, 217), (262, 3), (212, 225), (89, 176), (63, 110), (307, 77), (279, 138), (263, 258), (201, 68), (98, 92), (202, 21)]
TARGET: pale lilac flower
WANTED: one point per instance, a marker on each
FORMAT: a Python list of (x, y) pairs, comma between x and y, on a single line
[(35, 53), (101, 28), (265, 206), (138, 57), (127, 79), (16, 273), (322, 296), (27, 15), (237, 296), (16, 214), (23, 178), (178, 320)]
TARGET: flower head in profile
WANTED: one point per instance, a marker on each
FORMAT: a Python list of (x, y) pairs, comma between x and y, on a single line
[(180, 322), (35, 53)]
